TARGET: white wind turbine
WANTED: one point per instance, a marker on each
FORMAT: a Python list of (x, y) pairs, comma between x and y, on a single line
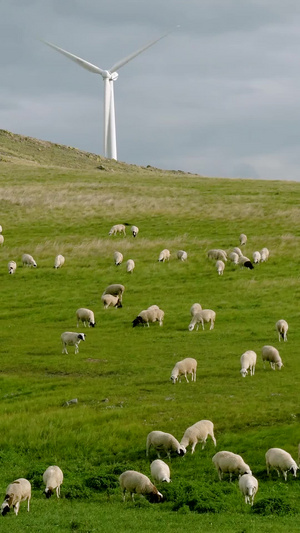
[(109, 76)]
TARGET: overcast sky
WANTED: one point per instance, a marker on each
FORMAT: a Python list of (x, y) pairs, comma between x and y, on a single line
[(220, 96)]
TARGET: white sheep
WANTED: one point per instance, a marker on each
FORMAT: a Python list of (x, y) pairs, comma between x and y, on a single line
[(264, 255), (198, 433), (181, 255), (184, 367), (152, 314), (206, 315), (282, 329), (282, 461), (217, 253), (130, 266), (230, 463), (12, 265), (118, 258), (134, 230), (69, 338), (1, 238), (59, 261), (243, 239), (248, 362), (245, 262), (163, 442), (18, 491), (0, 228), (110, 301), (271, 354), (53, 478), (234, 258), (220, 266), (248, 486), (256, 257), (195, 309), (28, 260), (160, 471), (164, 255), (238, 251), (116, 289), (117, 228), (137, 483), (86, 316)]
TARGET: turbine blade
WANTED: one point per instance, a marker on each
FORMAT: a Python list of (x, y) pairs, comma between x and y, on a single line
[(76, 59), (122, 62)]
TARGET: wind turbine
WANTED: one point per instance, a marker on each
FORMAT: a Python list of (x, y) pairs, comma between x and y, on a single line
[(109, 77)]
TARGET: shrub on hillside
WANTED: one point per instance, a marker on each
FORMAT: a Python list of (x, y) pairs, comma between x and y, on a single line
[(267, 506)]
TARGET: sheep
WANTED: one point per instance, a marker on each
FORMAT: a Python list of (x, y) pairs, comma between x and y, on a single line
[(248, 362), (118, 258), (28, 260), (12, 265), (137, 483), (117, 228), (116, 289), (160, 471), (163, 442), (18, 491), (282, 329), (182, 368), (234, 258), (86, 316), (237, 250), (282, 461), (134, 230), (264, 255), (231, 463), (164, 255), (198, 433), (206, 315), (1, 238), (59, 261), (195, 309), (220, 266), (0, 228), (216, 254), (53, 478), (271, 354), (248, 486), (256, 257), (182, 255), (110, 300), (243, 239), (130, 265), (245, 262), (149, 315), (71, 339)]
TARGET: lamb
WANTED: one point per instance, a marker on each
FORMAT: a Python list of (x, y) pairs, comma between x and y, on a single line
[(256, 257), (28, 260), (264, 255), (195, 309), (163, 442), (245, 262), (282, 461), (206, 315), (117, 228), (248, 486), (86, 316), (234, 258), (137, 483), (160, 471), (69, 338), (116, 289), (216, 254), (134, 230), (149, 315), (118, 258), (59, 261), (182, 255), (184, 367), (271, 354), (237, 250), (130, 266), (243, 239), (1, 238), (110, 300), (198, 433), (18, 491), (220, 266), (12, 265), (282, 329), (231, 463), (53, 478), (248, 362), (164, 255)]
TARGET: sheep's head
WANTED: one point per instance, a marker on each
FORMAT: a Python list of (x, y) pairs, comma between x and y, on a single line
[(155, 496), (48, 493), (181, 450), (294, 469), (5, 508), (279, 364), (137, 321), (173, 379), (92, 324), (191, 327), (244, 372), (81, 336)]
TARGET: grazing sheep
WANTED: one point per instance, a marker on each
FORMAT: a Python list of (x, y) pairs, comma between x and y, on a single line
[(234, 258), (69, 338), (110, 301), (134, 230), (264, 255), (18, 491), (116, 289), (59, 261), (237, 250), (216, 254), (195, 309), (248, 486), (271, 354), (130, 266), (53, 478), (282, 461), (256, 257), (282, 329), (117, 228), (245, 262), (0, 229), (163, 442), (12, 265), (206, 315), (164, 255), (184, 367), (160, 471), (220, 266), (243, 239), (182, 255), (1, 238), (86, 316), (118, 258), (230, 463), (248, 362), (28, 260), (149, 315), (198, 433), (137, 483)]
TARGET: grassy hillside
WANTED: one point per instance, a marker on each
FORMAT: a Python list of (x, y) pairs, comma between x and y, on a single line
[(57, 200)]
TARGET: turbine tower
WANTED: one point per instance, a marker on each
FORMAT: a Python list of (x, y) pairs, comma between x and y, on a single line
[(109, 77)]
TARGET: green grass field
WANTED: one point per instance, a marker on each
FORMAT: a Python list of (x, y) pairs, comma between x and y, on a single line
[(56, 200)]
